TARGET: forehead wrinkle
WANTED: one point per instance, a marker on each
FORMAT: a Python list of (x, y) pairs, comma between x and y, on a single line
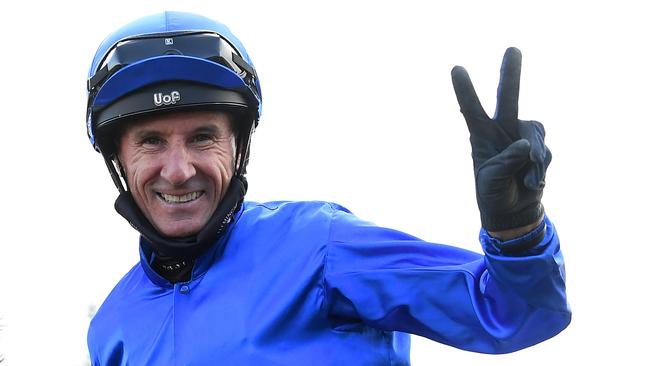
[(158, 126)]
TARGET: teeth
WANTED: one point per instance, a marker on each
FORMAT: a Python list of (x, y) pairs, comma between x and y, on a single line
[(170, 198)]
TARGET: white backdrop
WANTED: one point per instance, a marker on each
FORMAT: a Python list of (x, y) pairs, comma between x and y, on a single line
[(358, 109)]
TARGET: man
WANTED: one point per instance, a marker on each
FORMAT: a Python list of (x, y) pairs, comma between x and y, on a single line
[(173, 101)]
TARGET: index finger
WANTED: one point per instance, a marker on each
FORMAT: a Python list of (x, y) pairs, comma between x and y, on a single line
[(465, 93)]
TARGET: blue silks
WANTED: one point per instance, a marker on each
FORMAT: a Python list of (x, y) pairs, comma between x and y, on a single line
[(308, 283)]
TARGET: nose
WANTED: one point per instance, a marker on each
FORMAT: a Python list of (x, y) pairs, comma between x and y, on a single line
[(178, 166)]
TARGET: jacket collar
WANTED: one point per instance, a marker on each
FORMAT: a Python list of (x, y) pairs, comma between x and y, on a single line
[(202, 263)]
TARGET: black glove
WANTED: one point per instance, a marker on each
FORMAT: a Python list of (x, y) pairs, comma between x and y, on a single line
[(510, 158)]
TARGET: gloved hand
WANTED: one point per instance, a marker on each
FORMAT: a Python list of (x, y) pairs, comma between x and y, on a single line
[(510, 158)]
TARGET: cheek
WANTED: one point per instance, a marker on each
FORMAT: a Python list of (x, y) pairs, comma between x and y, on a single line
[(221, 165), (224, 155), (219, 169), (138, 173)]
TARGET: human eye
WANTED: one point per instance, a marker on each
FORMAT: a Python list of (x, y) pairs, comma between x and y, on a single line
[(202, 139), (151, 141)]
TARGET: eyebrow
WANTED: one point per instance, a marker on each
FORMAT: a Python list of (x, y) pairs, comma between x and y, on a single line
[(139, 135), (213, 130)]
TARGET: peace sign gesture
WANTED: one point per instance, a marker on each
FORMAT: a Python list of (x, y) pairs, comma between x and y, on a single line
[(510, 158)]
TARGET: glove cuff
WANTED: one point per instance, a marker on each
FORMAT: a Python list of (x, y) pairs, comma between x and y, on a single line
[(492, 222)]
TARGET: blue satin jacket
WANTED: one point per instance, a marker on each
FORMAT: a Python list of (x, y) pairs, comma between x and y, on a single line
[(308, 283)]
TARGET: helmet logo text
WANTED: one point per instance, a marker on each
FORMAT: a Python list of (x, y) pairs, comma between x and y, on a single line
[(169, 41), (160, 99)]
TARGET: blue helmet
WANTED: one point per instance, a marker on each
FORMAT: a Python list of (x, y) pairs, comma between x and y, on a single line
[(169, 61)]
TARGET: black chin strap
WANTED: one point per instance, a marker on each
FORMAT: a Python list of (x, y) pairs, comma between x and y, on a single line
[(192, 246)]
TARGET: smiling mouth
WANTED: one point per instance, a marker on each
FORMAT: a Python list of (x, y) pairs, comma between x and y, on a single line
[(174, 199)]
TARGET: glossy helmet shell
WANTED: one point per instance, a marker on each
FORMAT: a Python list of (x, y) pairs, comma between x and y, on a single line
[(168, 61)]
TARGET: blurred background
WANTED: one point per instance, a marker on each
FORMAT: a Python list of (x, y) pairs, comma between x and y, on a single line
[(358, 109)]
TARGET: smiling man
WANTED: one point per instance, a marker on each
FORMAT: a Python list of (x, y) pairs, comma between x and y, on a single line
[(179, 166), (173, 100)]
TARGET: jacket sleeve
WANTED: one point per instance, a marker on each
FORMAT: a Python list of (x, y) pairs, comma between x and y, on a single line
[(492, 303), (92, 351)]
